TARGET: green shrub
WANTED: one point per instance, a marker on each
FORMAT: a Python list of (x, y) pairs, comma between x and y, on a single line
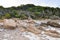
[(7, 15)]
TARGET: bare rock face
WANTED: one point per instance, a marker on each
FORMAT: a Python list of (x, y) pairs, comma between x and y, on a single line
[(53, 33), (53, 24), (28, 25), (33, 29), (9, 23)]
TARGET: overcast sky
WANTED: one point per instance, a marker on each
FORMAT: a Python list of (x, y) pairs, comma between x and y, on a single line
[(9, 3)]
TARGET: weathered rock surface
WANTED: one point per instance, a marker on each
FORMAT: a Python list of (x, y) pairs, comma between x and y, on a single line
[(9, 24), (28, 30), (53, 24), (53, 33), (33, 29), (28, 26)]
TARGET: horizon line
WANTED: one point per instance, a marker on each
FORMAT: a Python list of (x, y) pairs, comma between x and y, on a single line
[(33, 4)]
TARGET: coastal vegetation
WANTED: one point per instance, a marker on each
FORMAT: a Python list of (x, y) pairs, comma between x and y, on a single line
[(29, 11)]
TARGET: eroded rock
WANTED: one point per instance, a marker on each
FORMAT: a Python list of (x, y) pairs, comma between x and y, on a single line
[(53, 33), (53, 24), (9, 24), (33, 29)]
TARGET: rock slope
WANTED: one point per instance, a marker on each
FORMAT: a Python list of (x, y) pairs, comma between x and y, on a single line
[(11, 29)]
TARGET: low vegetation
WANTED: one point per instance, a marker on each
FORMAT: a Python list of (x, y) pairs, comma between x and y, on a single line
[(29, 11)]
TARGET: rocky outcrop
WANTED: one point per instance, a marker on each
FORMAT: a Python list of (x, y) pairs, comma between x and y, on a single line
[(53, 24), (33, 29), (28, 25), (9, 24), (53, 33), (30, 28)]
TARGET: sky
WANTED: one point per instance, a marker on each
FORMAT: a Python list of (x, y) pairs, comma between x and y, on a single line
[(50, 3)]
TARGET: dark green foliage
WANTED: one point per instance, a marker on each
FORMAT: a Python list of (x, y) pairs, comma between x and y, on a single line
[(23, 16), (29, 10)]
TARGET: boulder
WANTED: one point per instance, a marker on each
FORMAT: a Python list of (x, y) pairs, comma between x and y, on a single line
[(53, 24), (9, 23)]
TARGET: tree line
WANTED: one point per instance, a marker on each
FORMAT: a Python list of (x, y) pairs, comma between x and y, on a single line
[(29, 10)]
